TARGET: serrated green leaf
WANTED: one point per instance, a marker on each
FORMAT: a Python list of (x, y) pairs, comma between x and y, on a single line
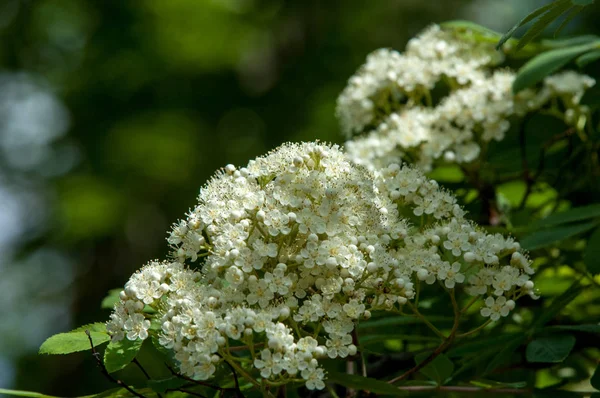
[(559, 8), (364, 384), (595, 380), (550, 349), (558, 304), (99, 327), (588, 328), (572, 215), (547, 237), (120, 354), (438, 370), (530, 17), (587, 58), (591, 255), (546, 63), (75, 341)]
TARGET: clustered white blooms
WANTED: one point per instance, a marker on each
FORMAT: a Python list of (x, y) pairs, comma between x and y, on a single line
[(386, 111), (295, 249)]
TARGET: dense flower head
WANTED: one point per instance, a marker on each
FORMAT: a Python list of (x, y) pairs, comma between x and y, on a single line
[(299, 246), (388, 113)]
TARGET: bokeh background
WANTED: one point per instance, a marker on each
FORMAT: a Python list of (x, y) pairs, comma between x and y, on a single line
[(113, 114)]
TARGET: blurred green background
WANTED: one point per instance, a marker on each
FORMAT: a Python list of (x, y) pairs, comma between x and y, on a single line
[(113, 114)]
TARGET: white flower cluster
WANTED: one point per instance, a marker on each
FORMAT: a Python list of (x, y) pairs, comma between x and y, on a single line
[(387, 106), (299, 246)]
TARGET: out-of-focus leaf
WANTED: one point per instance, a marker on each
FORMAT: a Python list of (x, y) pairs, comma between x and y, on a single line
[(591, 255), (122, 393), (76, 340), (21, 393), (558, 8), (161, 386), (111, 299), (583, 2), (530, 17), (482, 344), (571, 41), (505, 354), (438, 370), (365, 384), (595, 380), (119, 354), (558, 304), (572, 14), (550, 348), (546, 63), (587, 58), (589, 328), (546, 237), (575, 214)]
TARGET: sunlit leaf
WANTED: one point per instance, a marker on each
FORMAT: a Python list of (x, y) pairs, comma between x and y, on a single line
[(76, 340), (550, 348)]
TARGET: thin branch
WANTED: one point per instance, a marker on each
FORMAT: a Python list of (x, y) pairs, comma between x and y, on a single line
[(441, 348), (100, 364)]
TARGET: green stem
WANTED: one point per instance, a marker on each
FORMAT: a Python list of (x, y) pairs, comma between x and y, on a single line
[(425, 321)]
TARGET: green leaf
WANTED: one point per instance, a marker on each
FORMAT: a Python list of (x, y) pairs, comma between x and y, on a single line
[(76, 340), (558, 304), (546, 63), (559, 8), (364, 384), (569, 42), (119, 354), (550, 348), (479, 345), (547, 237), (438, 370), (122, 393), (161, 386), (21, 393), (534, 14), (582, 2), (588, 328), (591, 255), (504, 355), (587, 58), (575, 214), (595, 380), (111, 299), (572, 14)]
